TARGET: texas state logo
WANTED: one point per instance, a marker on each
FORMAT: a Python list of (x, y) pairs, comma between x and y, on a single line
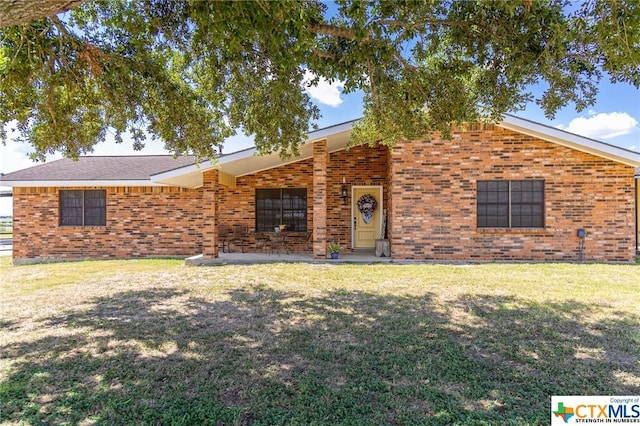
[(571, 409), (565, 413)]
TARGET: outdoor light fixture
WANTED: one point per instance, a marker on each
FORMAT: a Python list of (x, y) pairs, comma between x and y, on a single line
[(343, 193)]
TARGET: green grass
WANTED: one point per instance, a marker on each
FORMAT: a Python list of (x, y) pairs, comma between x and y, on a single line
[(154, 342)]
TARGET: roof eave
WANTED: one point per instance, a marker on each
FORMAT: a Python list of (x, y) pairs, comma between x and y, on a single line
[(77, 183), (324, 133), (185, 177), (191, 176)]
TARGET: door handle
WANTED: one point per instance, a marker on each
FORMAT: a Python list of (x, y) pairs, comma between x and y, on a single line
[(355, 222)]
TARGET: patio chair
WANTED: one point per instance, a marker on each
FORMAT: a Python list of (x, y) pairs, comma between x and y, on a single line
[(308, 243), (240, 235), (279, 242), (224, 236), (303, 242), (263, 242)]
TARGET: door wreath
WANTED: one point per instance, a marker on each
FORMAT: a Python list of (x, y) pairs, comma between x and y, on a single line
[(367, 204)]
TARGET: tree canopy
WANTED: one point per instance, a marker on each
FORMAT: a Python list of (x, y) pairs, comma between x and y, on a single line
[(195, 72)]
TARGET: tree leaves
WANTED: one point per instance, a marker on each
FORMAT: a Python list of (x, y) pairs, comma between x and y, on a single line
[(194, 73)]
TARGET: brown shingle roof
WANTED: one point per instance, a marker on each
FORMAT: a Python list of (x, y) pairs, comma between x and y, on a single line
[(135, 167)]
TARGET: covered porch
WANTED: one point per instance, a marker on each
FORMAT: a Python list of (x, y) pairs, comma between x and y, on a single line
[(317, 198)]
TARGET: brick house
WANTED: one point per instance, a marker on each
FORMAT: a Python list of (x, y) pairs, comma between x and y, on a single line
[(516, 190)]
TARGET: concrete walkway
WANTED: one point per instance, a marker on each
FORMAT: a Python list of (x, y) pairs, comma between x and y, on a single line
[(258, 258)]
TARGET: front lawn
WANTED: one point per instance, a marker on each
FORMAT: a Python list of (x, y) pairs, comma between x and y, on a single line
[(155, 342)]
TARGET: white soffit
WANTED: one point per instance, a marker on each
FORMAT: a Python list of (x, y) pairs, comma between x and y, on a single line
[(570, 140), (185, 179), (252, 163)]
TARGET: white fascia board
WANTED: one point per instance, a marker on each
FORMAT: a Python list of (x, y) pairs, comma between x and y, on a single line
[(204, 166), (570, 140), (70, 183), (245, 153), (320, 134), (305, 154)]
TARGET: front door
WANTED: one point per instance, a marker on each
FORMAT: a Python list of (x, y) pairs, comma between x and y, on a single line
[(367, 208)]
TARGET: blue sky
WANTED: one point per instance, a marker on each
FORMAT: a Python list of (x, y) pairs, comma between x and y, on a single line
[(614, 119)]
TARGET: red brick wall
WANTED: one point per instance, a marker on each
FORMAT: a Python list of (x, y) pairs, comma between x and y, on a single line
[(360, 166), (141, 222), (210, 211), (638, 213), (319, 199), (434, 200)]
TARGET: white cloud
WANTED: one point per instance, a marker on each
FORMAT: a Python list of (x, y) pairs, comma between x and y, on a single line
[(324, 92), (15, 155), (603, 125)]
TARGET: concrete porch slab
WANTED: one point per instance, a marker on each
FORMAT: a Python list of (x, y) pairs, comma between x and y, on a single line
[(262, 258)]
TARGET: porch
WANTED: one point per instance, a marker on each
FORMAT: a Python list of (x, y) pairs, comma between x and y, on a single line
[(249, 258), (313, 201)]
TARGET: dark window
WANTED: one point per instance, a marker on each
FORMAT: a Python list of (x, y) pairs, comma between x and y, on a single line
[(511, 204), (83, 208), (527, 204), (282, 206)]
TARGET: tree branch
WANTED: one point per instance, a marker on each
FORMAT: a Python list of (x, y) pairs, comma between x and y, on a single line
[(324, 54), (89, 53), (404, 62), (411, 67), (349, 34), (15, 12), (331, 30), (412, 25)]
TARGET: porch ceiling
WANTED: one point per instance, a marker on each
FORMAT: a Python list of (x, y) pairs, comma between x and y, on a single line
[(246, 165)]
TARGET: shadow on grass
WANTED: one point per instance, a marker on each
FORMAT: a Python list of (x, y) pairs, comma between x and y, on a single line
[(266, 357)]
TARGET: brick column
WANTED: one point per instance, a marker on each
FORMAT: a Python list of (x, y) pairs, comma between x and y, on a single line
[(210, 214), (320, 160)]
